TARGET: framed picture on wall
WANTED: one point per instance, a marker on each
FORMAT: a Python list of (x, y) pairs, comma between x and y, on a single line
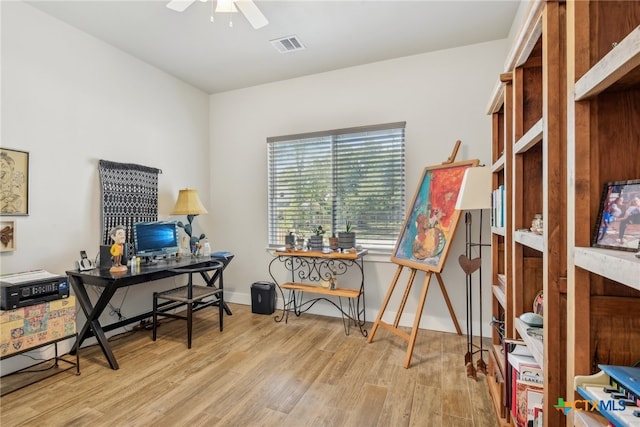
[(618, 221), (7, 236), (14, 173)]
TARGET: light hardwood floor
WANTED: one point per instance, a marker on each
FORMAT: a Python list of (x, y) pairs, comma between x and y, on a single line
[(260, 373)]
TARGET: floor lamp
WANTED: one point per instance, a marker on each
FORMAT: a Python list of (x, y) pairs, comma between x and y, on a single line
[(475, 193)]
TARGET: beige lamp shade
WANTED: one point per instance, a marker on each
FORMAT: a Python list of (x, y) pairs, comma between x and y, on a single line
[(188, 203), (475, 192)]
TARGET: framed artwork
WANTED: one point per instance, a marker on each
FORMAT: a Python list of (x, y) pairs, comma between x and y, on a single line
[(14, 173), (432, 219), (618, 222), (7, 236)]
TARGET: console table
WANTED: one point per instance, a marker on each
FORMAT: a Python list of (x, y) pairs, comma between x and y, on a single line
[(315, 267), (111, 282)]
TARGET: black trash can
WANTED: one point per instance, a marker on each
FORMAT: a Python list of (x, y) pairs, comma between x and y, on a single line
[(263, 297)]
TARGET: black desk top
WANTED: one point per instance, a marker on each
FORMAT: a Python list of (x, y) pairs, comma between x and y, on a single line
[(145, 273)]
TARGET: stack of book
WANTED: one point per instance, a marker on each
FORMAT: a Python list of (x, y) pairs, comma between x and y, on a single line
[(526, 388), (498, 207)]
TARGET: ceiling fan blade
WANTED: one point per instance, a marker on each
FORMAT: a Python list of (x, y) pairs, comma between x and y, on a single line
[(252, 13), (179, 5)]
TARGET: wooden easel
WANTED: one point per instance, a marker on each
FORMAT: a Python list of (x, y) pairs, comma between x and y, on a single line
[(393, 328)]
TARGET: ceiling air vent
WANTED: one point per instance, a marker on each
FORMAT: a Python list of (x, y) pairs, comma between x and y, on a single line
[(287, 44)]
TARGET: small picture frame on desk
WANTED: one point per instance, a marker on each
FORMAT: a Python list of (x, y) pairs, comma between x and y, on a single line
[(618, 222)]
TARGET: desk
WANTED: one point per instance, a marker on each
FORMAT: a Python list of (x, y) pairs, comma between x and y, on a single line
[(315, 266), (112, 282)]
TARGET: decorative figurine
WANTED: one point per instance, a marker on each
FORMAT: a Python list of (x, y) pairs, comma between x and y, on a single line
[(118, 236), (537, 225)]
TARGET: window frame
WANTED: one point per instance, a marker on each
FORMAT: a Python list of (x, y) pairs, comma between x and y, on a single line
[(388, 239)]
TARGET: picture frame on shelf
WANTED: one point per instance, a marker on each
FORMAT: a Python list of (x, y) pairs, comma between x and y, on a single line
[(618, 221), (7, 236), (14, 195)]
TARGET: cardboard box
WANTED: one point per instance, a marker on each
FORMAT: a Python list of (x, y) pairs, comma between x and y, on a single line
[(28, 327)]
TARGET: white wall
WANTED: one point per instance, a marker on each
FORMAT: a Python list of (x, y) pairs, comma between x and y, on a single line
[(442, 96), (70, 100)]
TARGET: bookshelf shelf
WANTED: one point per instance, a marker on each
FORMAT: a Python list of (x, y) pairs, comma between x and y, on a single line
[(529, 139), (500, 231), (620, 266), (529, 239), (534, 344), (498, 292), (611, 69), (498, 165)]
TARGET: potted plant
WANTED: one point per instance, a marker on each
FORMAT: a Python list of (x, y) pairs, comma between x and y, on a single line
[(315, 240), (347, 238)]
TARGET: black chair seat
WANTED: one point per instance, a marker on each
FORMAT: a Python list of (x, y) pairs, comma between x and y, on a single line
[(193, 296)]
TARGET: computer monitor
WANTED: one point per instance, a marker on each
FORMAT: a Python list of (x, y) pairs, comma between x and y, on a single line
[(155, 239)]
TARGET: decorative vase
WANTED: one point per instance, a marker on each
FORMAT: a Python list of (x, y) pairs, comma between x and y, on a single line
[(346, 240), (333, 243), (315, 243)]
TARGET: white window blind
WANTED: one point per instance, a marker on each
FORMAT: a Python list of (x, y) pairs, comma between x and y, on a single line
[(329, 178)]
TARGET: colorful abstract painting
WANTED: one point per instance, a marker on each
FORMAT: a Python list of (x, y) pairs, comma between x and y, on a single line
[(432, 220)]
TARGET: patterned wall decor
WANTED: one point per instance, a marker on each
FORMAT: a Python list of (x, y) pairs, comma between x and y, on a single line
[(129, 195)]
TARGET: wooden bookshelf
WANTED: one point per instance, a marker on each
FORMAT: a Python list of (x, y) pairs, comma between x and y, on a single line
[(603, 286), (532, 166)]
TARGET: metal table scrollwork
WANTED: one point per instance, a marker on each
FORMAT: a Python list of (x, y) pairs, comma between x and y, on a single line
[(308, 269)]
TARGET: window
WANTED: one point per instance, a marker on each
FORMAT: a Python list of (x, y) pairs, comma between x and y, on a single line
[(329, 178)]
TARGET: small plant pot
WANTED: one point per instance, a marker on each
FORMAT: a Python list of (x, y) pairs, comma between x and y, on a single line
[(315, 243), (346, 240)]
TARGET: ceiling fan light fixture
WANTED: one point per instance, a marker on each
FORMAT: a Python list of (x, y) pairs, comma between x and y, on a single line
[(226, 6), (247, 7)]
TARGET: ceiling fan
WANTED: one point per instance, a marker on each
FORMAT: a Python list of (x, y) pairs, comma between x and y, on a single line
[(247, 7)]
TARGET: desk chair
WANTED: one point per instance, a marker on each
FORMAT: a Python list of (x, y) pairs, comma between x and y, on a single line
[(193, 296)]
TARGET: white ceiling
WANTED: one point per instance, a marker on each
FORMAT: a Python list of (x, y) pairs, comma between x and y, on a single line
[(337, 34)]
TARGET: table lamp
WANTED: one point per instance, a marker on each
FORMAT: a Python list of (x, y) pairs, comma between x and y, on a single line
[(475, 193), (189, 204)]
